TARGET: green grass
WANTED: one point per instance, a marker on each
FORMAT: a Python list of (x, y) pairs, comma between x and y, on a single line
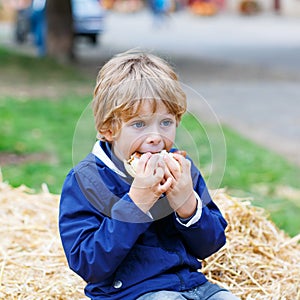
[(36, 70), (39, 126), (47, 125), (250, 170), (247, 164)]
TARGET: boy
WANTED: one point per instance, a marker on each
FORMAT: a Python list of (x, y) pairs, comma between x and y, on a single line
[(142, 237)]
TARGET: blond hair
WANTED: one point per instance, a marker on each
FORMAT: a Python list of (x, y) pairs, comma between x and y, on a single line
[(129, 79)]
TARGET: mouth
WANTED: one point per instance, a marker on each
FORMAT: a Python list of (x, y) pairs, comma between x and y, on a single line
[(139, 153)]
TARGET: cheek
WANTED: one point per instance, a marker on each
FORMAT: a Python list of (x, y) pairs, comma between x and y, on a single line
[(121, 144), (127, 144), (136, 143), (170, 138)]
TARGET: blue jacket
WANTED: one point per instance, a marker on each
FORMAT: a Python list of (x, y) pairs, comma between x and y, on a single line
[(122, 252)]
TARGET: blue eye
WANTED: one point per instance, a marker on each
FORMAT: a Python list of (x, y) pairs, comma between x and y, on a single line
[(138, 124), (167, 123)]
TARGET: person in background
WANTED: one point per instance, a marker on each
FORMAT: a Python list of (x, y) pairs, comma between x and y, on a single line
[(38, 23), (160, 10)]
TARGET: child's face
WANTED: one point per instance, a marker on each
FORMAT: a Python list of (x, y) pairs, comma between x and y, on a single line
[(147, 132)]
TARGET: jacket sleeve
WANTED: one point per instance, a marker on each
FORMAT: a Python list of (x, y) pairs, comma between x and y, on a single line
[(95, 244), (207, 235)]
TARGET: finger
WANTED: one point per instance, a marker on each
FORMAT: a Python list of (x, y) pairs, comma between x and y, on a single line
[(178, 157), (168, 173), (159, 174), (152, 163), (142, 163), (173, 166), (161, 162), (166, 186), (185, 163)]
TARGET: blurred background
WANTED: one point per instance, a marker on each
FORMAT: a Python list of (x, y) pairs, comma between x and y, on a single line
[(238, 60)]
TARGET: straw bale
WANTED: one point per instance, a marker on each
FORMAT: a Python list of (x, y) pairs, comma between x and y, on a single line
[(258, 262), (32, 262)]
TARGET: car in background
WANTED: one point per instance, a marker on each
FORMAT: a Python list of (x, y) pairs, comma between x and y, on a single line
[(88, 20)]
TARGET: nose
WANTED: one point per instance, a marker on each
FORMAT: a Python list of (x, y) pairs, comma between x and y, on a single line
[(153, 138)]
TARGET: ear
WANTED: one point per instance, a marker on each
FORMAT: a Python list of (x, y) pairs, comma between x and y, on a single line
[(108, 135)]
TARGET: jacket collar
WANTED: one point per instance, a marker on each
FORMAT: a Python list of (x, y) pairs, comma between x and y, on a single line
[(100, 153)]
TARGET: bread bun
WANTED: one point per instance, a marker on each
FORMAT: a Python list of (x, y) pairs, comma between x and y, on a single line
[(132, 162)]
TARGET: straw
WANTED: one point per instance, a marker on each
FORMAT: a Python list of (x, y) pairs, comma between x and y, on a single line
[(259, 261), (32, 262)]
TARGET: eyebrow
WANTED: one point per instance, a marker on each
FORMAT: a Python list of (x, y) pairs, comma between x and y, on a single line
[(154, 113)]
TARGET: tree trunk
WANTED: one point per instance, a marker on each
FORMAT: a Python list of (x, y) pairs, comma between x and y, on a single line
[(277, 5), (59, 29)]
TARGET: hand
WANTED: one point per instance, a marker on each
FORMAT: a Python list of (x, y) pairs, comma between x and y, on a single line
[(149, 183), (181, 193)]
